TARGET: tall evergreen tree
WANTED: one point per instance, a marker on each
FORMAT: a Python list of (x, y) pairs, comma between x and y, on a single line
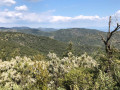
[(68, 49)]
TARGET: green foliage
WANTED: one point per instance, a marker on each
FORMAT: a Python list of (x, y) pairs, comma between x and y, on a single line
[(38, 57), (18, 44), (15, 87), (70, 72), (67, 73), (40, 73), (79, 36), (78, 79), (84, 40), (104, 82), (69, 49), (10, 50), (24, 74), (58, 68)]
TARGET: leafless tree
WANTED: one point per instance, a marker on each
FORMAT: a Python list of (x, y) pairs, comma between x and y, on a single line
[(106, 42)]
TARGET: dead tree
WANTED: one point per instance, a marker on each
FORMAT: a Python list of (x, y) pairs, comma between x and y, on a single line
[(106, 41), (107, 44)]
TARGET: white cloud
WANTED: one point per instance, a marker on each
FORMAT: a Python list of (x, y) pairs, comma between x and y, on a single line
[(7, 16), (7, 2), (33, 17), (60, 18), (21, 8), (47, 19), (115, 18), (117, 13), (81, 17)]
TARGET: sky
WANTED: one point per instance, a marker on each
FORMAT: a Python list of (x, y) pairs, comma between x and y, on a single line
[(59, 13)]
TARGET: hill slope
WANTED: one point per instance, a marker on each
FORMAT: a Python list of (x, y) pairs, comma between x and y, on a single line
[(20, 44), (24, 44), (79, 36)]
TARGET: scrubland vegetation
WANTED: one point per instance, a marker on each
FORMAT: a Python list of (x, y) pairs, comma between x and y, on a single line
[(54, 73)]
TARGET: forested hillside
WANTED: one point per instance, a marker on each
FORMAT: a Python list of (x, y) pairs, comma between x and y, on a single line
[(19, 44), (79, 36)]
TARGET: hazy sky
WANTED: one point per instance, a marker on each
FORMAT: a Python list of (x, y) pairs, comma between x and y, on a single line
[(58, 13)]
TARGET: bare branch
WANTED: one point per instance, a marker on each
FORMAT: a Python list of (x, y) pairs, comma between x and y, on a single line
[(102, 38), (109, 23), (111, 33)]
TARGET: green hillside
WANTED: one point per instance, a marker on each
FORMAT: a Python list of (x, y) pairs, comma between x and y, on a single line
[(79, 36), (19, 44), (13, 44)]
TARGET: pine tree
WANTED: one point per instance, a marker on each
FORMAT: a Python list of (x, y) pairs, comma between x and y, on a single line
[(68, 49)]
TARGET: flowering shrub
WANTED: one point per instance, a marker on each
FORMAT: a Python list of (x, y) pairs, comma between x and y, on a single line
[(104, 82), (59, 67), (24, 73)]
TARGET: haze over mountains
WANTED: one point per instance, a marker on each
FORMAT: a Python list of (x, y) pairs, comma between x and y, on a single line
[(24, 27), (79, 36), (44, 40)]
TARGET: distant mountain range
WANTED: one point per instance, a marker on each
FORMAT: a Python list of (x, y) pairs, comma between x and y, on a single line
[(47, 29), (81, 37), (27, 28)]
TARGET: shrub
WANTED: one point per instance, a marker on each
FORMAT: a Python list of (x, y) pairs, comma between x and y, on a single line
[(104, 82), (24, 73), (78, 79), (59, 67)]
